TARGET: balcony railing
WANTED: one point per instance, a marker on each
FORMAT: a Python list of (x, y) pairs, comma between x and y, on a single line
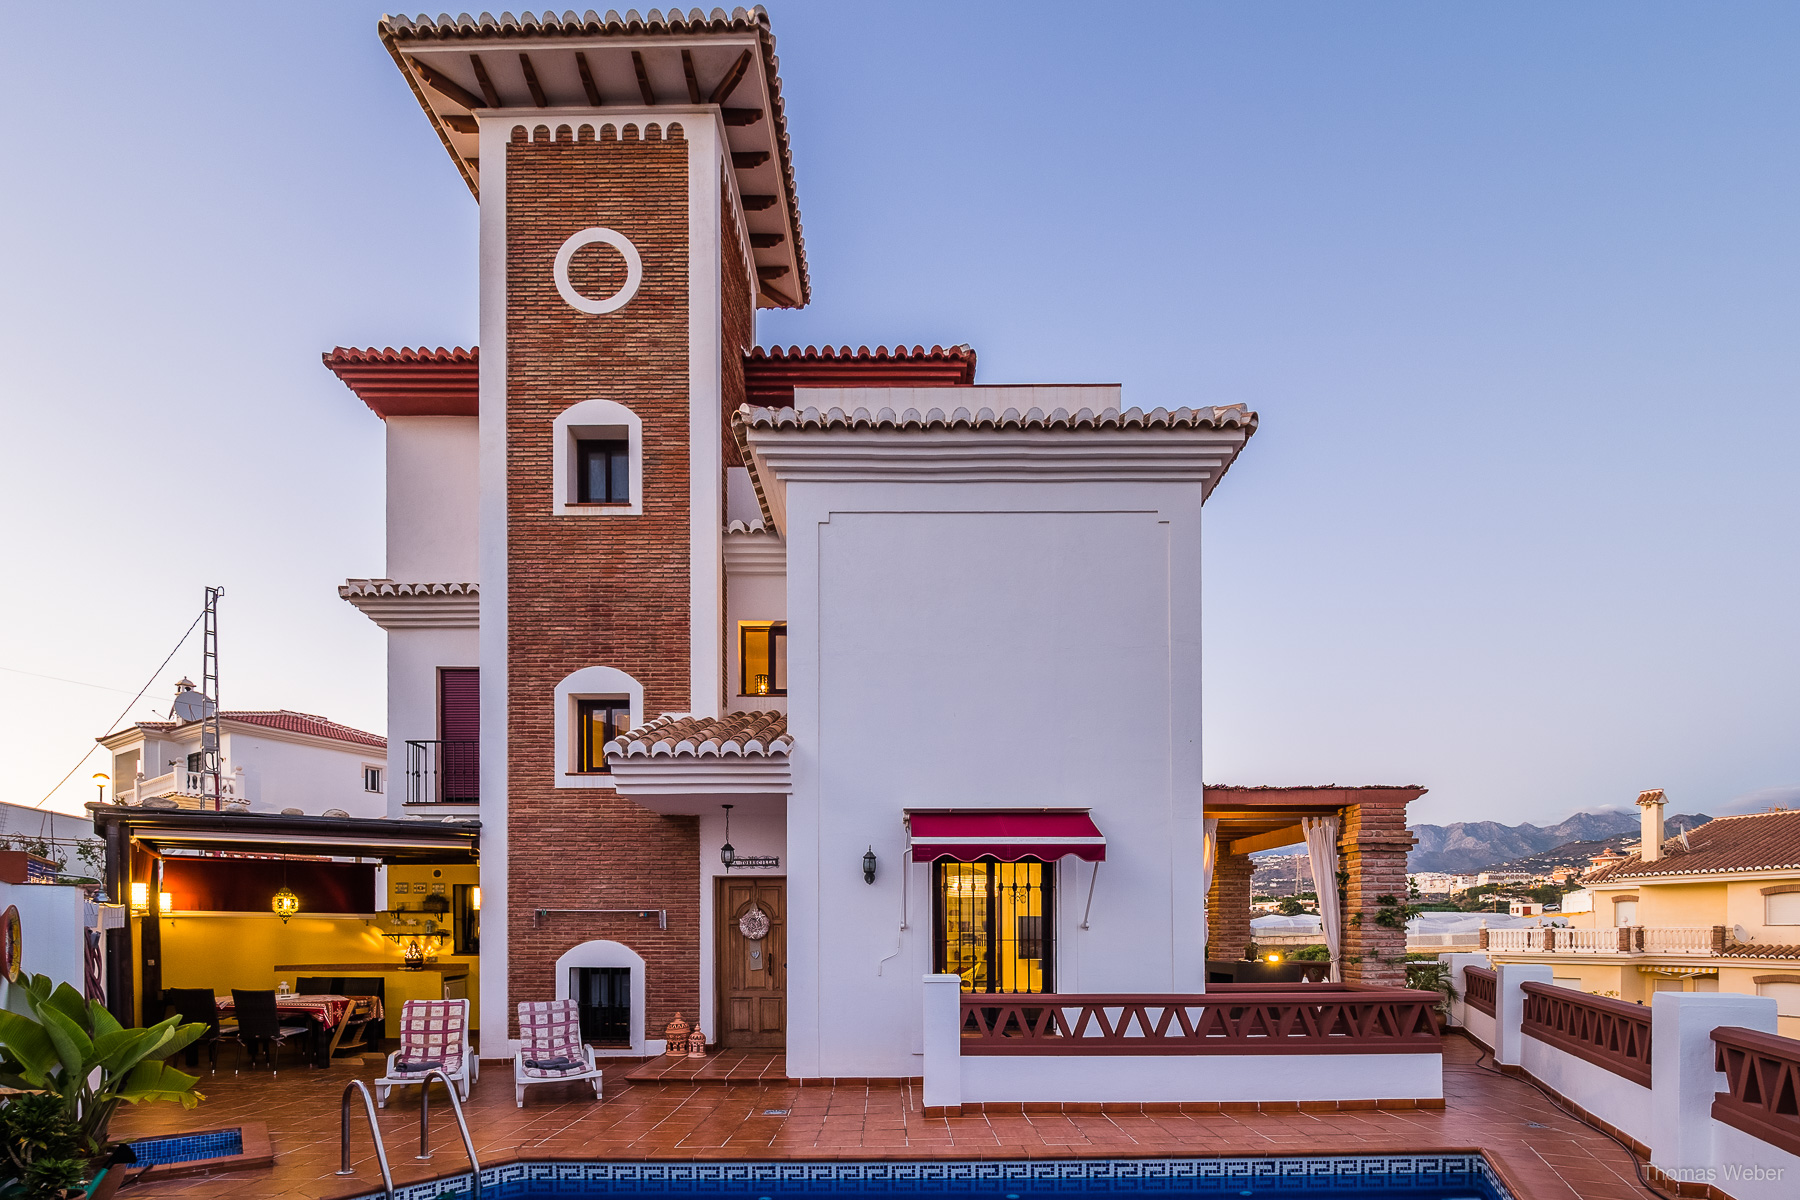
[(1481, 988), (1608, 1033), (180, 782), (1762, 1073), (1700, 941), (1242, 1019), (443, 772)]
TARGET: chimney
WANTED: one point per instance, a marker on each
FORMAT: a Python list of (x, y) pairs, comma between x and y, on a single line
[(1651, 824)]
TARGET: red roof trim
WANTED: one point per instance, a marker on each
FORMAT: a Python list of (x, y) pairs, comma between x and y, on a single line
[(772, 373), (408, 382)]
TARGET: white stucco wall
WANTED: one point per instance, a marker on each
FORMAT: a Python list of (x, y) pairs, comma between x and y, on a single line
[(51, 920), (432, 499), (1614, 1099), (1200, 1078), (312, 776), (987, 645), (1748, 1168), (414, 657)]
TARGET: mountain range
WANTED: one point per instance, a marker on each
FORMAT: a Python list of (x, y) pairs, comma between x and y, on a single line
[(1476, 845)]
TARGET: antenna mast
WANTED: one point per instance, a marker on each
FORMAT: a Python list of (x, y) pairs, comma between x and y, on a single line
[(209, 691)]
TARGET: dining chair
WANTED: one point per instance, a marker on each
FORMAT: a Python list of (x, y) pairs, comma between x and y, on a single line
[(196, 1006), (259, 1024)]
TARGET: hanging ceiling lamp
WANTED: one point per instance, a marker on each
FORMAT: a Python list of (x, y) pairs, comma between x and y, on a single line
[(285, 904)]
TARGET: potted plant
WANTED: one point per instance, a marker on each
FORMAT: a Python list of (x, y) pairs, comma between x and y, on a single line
[(82, 1063)]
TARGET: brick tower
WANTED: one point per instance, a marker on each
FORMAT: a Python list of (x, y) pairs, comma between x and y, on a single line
[(636, 206)]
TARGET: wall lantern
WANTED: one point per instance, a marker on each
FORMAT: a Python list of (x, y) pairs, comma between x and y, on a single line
[(475, 898), (285, 904), (140, 897), (726, 854), (869, 865), (101, 779)]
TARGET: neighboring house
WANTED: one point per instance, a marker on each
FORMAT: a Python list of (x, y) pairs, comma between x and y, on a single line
[(270, 761), (759, 667), (1715, 909)]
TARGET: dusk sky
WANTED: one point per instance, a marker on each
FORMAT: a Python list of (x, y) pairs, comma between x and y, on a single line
[(1512, 287)]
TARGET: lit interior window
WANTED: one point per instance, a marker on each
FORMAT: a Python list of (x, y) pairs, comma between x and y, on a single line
[(599, 722), (762, 651)]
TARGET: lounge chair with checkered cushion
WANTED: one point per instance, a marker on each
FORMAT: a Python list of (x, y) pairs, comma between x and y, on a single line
[(550, 1047), (433, 1033)]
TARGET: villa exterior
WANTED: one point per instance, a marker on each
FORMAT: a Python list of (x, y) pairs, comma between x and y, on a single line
[(271, 761), (1715, 909), (760, 668)]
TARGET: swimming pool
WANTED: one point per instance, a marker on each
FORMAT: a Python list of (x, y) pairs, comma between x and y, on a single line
[(1371, 1177)]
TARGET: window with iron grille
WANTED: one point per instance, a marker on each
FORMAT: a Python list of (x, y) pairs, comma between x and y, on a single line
[(994, 923), (599, 722)]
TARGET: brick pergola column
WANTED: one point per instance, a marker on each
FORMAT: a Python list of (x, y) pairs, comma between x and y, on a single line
[(1228, 907), (1372, 845)]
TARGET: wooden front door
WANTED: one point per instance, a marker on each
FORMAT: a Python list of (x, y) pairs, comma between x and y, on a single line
[(752, 972)]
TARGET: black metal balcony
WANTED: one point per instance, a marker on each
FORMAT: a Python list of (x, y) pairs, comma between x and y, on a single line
[(443, 772)]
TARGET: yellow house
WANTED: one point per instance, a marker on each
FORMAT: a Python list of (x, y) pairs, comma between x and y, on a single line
[(1715, 909)]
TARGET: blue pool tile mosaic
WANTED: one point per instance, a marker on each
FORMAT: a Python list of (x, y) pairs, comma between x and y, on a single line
[(188, 1147), (1384, 1176)]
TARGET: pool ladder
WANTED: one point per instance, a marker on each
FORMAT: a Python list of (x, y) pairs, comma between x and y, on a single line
[(387, 1176)]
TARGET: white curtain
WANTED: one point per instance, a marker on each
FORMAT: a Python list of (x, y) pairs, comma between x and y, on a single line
[(1209, 859), (1321, 853)]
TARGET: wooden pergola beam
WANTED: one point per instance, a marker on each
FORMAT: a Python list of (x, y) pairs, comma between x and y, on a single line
[(1273, 840)]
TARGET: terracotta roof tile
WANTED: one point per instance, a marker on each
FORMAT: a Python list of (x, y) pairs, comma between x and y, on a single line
[(1232, 416), (672, 22), (408, 382), (738, 735), (1768, 841), (281, 718)]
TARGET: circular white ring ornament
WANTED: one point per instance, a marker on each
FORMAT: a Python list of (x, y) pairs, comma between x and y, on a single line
[(634, 271), (754, 925)]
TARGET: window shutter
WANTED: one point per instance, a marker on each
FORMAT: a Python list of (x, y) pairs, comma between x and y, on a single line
[(459, 704)]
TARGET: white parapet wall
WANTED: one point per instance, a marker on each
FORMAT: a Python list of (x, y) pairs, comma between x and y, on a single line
[(953, 1079), (1200, 1078)]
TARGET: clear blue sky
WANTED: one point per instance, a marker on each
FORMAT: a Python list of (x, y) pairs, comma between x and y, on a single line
[(1513, 287)]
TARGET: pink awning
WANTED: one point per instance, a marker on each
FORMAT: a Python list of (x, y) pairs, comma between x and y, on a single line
[(1008, 836)]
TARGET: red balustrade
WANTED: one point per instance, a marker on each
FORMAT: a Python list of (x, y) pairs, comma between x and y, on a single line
[(1762, 1075), (1608, 1033), (1480, 989), (1245, 1019)]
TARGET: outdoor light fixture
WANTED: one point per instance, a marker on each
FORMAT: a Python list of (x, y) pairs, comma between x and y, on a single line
[(475, 897), (140, 897), (869, 865), (1274, 958), (726, 854), (166, 901), (285, 904), (762, 685), (101, 779)]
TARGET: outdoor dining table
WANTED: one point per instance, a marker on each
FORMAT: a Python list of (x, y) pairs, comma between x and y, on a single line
[(323, 1013)]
